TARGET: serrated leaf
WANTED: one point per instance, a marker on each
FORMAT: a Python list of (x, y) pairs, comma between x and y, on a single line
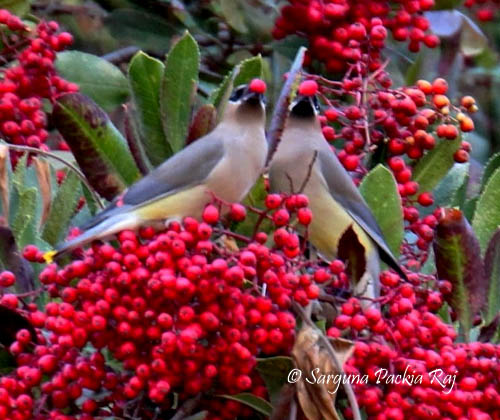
[(257, 403), (99, 148), (458, 260), (97, 78), (274, 371), (491, 166), (435, 164), (380, 190), (492, 272), (63, 208), (243, 73), (487, 214), (145, 76), (178, 89), (25, 217), (249, 69)]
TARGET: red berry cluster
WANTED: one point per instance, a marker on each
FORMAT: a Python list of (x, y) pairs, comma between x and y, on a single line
[(485, 10), (363, 113), (178, 310), (347, 31), (29, 78), (405, 337)]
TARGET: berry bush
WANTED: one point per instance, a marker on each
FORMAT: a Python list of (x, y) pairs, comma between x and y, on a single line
[(207, 319)]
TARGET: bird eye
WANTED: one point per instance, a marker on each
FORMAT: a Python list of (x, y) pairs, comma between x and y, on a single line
[(237, 93)]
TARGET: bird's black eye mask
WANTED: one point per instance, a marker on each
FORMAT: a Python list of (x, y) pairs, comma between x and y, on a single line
[(306, 106), (238, 93)]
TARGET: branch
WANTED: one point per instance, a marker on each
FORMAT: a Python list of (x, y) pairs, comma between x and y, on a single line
[(281, 108), (347, 386), (309, 172), (72, 167)]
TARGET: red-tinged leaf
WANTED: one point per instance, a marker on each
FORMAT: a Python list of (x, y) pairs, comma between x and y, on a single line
[(492, 271), (352, 252), (99, 148), (458, 260), (12, 322), (11, 259), (203, 123)]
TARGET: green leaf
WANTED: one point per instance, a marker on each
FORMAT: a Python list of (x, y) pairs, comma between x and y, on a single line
[(99, 148), (97, 78), (458, 260), (150, 32), (24, 221), (233, 14), (249, 69), (491, 166), (492, 271), (487, 215), (448, 191), (145, 75), (257, 403), (274, 371), (470, 208), (62, 210), (178, 89), (18, 7), (380, 190), (435, 164)]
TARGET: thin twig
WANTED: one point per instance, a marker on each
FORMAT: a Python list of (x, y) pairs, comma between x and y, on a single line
[(309, 172), (187, 408), (236, 236), (281, 108), (80, 175), (356, 414)]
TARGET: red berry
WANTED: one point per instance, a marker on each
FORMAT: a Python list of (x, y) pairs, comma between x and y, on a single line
[(257, 86), (308, 88)]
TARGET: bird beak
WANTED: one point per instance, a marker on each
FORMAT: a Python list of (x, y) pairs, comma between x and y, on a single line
[(253, 98)]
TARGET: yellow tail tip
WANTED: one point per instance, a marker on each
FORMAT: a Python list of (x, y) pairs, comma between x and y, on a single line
[(49, 256)]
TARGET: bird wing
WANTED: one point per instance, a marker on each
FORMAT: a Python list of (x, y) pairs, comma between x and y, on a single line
[(188, 167), (344, 191)]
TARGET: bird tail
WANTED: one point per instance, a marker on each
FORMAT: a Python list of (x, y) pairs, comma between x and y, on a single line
[(104, 229)]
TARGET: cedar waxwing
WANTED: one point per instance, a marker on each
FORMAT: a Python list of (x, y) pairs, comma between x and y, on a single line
[(304, 158), (225, 163)]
